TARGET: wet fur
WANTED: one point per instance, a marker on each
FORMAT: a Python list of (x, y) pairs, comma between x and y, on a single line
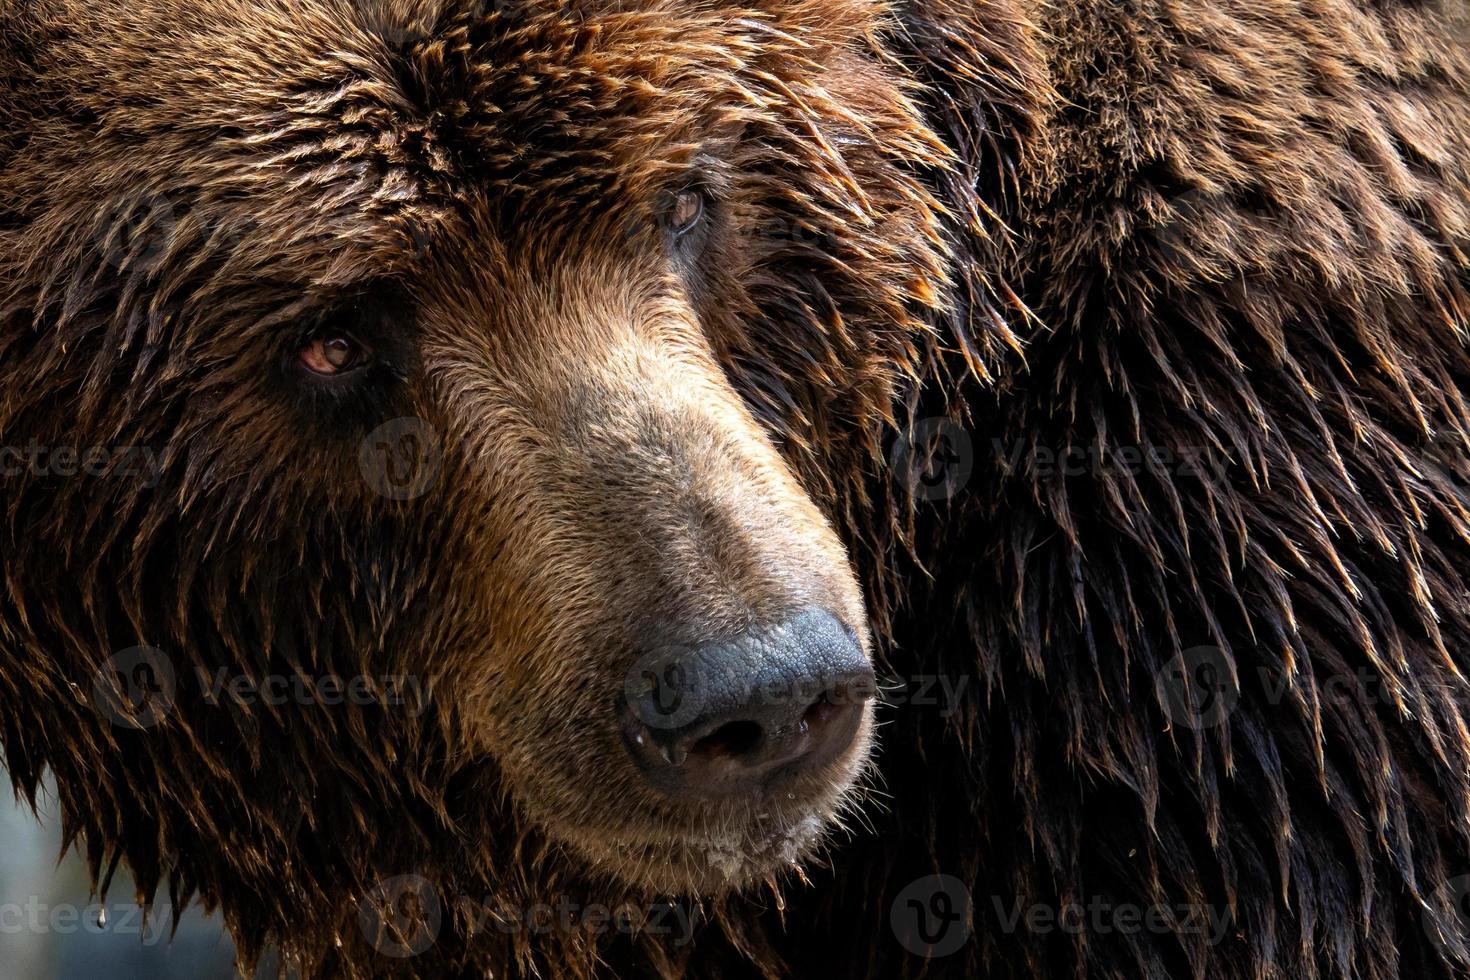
[(1307, 328)]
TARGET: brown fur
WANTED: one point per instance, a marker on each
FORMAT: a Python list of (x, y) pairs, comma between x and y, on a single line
[(1215, 226)]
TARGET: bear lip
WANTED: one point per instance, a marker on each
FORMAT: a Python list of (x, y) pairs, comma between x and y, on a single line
[(713, 866), (762, 836)]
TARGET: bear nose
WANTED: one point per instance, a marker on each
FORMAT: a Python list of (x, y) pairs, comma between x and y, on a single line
[(738, 715)]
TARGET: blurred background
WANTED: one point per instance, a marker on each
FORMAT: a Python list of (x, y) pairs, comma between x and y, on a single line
[(49, 926)]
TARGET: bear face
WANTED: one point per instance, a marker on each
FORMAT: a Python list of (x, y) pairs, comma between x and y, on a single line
[(500, 347), (539, 355)]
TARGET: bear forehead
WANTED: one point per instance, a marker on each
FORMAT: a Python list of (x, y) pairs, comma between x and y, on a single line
[(541, 97), (559, 95), (367, 121), (325, 143)]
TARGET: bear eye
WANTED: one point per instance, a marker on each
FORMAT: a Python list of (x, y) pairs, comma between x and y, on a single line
[(684, 215), (332, 354)]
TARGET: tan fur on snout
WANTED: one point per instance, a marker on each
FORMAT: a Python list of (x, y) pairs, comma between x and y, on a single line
[(621, 496)]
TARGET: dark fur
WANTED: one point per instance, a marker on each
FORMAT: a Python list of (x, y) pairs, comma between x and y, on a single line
[(1218, 226)]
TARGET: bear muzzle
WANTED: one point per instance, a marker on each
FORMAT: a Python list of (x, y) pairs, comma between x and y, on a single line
[(747, 715)]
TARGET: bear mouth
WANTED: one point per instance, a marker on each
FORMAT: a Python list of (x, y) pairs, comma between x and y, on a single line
[(745, 843), (715, 865)]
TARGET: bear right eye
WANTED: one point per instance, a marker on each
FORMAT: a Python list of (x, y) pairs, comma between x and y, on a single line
[(332, 354), (685, 214)]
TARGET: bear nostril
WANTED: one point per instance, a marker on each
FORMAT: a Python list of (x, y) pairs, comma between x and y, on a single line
[(732, 740), (731, 717)]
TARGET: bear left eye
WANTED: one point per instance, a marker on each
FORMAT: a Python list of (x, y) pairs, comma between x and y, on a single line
[(685, 213), (332, 354)]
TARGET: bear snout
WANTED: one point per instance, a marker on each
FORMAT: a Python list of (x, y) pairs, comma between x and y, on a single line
[(746, 715)]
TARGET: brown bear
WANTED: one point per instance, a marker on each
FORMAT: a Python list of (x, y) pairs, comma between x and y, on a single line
[(770, 488)]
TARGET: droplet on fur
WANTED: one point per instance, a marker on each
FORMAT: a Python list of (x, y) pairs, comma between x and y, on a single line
[(638, 739)]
